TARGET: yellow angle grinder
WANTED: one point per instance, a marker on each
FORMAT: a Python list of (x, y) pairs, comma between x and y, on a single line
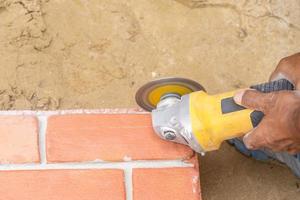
[(183, 112)]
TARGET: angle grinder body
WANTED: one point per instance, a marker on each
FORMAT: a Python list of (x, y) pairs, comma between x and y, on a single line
[(197, 119)]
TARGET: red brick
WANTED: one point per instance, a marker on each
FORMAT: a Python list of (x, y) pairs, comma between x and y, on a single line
[(166, 184), (62, 185), (110, 137), (18, 139)]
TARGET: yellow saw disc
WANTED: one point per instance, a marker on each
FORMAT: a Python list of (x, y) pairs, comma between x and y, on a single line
[(149, 95)]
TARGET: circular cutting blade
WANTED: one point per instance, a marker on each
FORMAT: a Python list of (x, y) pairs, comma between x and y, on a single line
[(148, 96)]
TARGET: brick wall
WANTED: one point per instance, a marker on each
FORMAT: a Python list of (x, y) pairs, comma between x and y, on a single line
[(91, 155)]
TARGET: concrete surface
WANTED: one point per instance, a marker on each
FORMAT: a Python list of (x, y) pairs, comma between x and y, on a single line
[(58, 54)]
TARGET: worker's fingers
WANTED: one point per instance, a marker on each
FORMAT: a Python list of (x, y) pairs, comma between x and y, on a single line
[(293, 148), (255, 100), (294, 151), (255, 139), (279, 146), (265, 137)]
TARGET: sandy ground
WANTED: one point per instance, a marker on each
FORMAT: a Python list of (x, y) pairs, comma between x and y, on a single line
[(59, 54)]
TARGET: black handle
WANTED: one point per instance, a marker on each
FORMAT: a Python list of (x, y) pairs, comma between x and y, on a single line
[(228, 105), (274, 86), (282, 84)]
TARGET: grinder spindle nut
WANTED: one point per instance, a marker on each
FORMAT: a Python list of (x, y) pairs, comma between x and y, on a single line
[(168, 134)]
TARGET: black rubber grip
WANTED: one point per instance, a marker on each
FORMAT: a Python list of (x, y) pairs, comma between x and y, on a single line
[(282, 84), (274, 86), (228, 105)]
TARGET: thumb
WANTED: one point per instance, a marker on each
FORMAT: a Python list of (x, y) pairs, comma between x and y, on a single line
[(255, 100)]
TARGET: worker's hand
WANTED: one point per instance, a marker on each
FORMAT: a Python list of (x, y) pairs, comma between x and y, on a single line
[(280, 128)]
